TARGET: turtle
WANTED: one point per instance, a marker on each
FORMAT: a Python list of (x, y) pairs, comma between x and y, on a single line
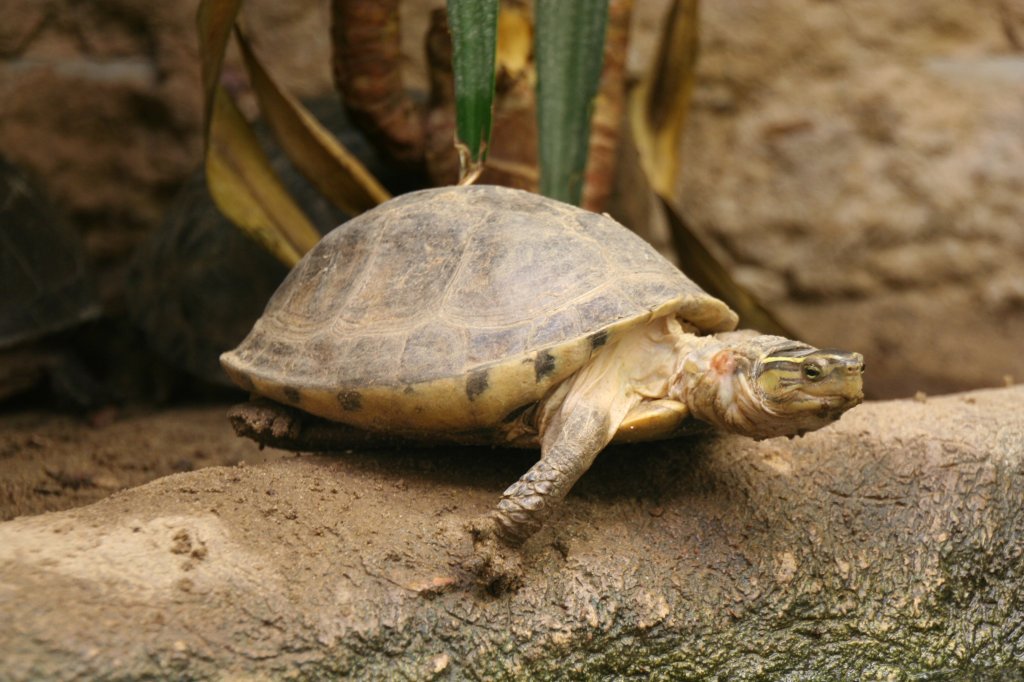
[(44, 274), (48, 291), (484, 314)]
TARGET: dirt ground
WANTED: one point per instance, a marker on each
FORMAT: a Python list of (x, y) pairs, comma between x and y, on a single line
[(54, 461)]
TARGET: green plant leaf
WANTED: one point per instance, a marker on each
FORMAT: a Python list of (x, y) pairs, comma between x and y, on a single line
[(473, 25), (569, 52)]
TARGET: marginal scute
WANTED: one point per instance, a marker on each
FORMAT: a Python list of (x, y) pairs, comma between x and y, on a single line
[(560, 325), (543, 364), (476, 383), (432, 350), (450, 308), (243, 381), (350, 401), (291, 394), (485, 344), (362, 355), (609, 304)]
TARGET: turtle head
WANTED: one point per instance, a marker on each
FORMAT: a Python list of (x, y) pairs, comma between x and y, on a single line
[(808, 386), (766, 386)]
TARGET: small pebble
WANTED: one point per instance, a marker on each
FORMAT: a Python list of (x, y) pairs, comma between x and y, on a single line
[(440, 662)]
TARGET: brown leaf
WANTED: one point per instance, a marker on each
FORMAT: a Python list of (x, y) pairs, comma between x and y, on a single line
[(247, 191), (659, 104), (658, 109), (317, 154), (214, 21), (238, 173)]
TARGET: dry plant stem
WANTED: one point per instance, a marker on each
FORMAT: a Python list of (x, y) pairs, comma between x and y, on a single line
[(279, 426), (609, 109), (367, 72)]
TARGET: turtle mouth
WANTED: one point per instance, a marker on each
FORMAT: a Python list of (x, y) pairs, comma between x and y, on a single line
[(833, 407), (803, 413), (826, 408), (836, 400), (810, 407)]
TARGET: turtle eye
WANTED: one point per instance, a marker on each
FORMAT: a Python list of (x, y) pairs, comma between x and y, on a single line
[(812, 372)]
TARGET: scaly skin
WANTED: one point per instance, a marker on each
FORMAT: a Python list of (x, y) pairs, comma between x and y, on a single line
[(743, 382), (757, 385), (569, 447)]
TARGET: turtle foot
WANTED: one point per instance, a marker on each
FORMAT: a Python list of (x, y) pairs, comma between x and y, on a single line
[(498, 565)]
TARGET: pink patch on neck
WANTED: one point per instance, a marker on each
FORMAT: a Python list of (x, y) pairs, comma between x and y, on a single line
[(723, 362)]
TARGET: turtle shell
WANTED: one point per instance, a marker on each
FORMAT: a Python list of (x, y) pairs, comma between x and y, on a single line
[(451, 309), (45, 281)]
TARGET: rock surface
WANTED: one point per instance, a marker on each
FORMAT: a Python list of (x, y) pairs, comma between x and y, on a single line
[(887, 546), (862, 168)]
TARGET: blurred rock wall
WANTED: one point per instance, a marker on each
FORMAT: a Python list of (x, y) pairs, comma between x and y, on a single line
[(101, 100), (861, 166)]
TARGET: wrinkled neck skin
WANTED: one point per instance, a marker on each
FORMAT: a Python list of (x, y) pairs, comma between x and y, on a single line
[(748, 383), (714, 377), (715, 388)]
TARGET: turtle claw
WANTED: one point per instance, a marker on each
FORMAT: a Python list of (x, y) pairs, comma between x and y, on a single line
[(498, 566)]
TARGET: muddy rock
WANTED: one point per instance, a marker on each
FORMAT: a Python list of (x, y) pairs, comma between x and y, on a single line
[(887, 546), (862, 169)]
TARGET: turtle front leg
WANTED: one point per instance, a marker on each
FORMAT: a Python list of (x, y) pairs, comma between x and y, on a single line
[(576, 422), (568, 448)]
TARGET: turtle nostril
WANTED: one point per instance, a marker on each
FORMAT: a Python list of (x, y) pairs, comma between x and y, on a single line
[(857, 367)]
